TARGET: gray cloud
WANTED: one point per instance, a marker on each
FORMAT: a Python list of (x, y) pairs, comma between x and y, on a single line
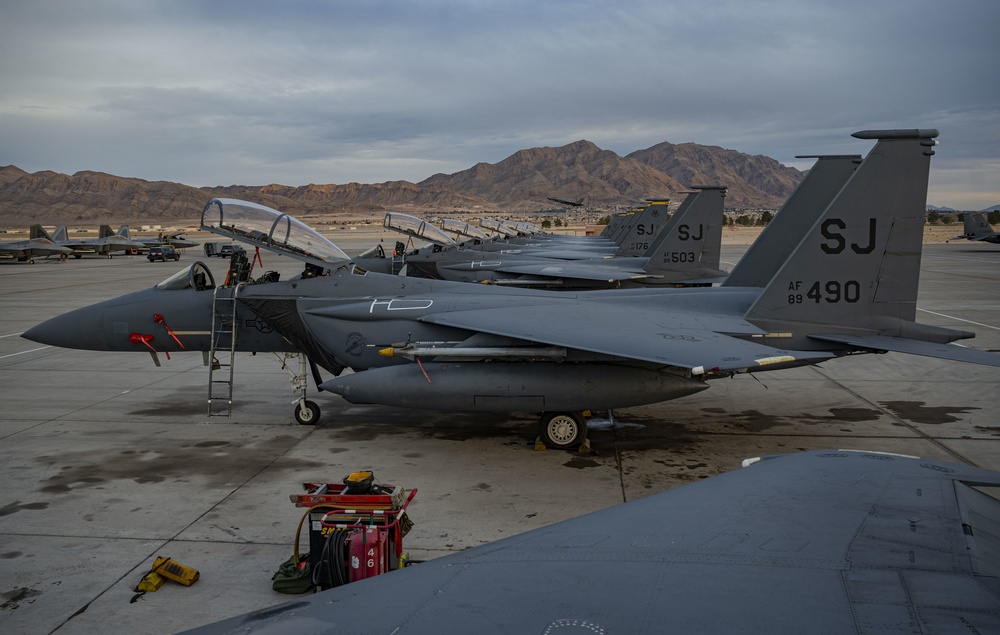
[(210, 93)]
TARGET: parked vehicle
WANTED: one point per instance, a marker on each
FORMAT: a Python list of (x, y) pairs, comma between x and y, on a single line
[(227, 251), (164, 253)]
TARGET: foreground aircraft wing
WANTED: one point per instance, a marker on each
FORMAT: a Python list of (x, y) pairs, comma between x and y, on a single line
[(639, 334), (827, 541), (913, 347)]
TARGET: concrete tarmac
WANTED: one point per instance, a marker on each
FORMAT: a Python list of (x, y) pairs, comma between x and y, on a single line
[(107, 461)]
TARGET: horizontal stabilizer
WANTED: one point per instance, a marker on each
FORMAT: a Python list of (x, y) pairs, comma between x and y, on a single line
[(913, 347)]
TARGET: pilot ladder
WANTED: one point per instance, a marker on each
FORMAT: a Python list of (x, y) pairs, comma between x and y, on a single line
[(224, 325)]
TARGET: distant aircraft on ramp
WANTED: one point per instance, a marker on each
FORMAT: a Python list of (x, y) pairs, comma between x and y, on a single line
[(977, 228), (26, 250)]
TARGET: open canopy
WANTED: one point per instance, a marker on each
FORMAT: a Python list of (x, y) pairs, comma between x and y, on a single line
[(270, 229), (413, 226)]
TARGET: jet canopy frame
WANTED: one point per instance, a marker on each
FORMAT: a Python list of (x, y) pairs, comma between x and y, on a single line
[(498, 226), (261, 226), (413, 226), (463, 229)]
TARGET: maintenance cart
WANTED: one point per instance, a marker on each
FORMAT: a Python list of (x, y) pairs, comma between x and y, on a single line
[(356, 528)]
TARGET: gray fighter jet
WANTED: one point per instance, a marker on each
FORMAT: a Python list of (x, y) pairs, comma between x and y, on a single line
[(978, 228), (106, 244), (685, 251), (828, 541), (631, 238), (850, 286), (577, 203), (26, 250), (174, 240)]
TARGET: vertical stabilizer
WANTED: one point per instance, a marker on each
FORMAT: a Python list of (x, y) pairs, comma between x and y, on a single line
[(106, 232), (977, 227), (60, 235), (37, 231), (671, 223), (644, 228), (858, 266), (693, 240), (125, 232), (809, 200)]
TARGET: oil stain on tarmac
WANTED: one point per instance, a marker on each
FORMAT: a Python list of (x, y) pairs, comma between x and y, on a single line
[(920, 412), (172, 459)]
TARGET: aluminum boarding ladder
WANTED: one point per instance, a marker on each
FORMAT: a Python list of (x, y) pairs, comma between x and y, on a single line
[(224, 324)]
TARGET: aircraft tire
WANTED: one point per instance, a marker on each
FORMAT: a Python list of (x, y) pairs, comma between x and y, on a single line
[(562, 430), (307, 414), (63, 256)]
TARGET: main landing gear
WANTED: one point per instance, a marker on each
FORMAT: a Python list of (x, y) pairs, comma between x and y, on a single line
[(562, 430)]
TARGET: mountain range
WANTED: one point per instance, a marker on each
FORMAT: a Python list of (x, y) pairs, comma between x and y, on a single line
[(522, 182)]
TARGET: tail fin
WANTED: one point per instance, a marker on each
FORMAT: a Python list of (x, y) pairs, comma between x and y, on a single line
[(981, 229), (693, 241), (771, 249), (644, 228), (60, 235), (668, 227), (106, 232), (125, 232), (858, 267), (37, 231)]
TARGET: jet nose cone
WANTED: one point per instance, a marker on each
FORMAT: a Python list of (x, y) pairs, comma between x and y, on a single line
[(77, 329)]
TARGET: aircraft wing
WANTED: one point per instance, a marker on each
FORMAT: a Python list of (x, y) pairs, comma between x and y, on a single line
[(913, 347), (645, 335), (576, 271), (826, 541)]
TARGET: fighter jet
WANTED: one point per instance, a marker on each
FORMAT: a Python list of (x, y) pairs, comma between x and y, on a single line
[(576, 203), (828, 541), (686, 251), (631, 238), (978, 228), (173, 240), (850, 286), (26, 250), (106, 244)]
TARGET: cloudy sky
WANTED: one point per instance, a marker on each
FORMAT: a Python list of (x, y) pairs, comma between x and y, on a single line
[(294, 92)]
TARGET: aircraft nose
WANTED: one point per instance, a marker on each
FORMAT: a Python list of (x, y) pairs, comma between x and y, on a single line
[(77, 329)]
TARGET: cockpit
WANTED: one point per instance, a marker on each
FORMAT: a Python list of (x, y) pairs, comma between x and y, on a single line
[(197, 277)]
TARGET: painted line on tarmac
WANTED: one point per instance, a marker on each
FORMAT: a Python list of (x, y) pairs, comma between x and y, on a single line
[(11, 335), (952, 317), (23, 352)]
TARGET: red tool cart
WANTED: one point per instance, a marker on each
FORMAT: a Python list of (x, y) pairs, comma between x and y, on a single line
[(356, 528)]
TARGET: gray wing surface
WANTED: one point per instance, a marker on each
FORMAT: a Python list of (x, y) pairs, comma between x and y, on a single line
[(577, 270), (821, 542), (647, 335)]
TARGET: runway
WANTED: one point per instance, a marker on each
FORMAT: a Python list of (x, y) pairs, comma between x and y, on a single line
[(109, 461)]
